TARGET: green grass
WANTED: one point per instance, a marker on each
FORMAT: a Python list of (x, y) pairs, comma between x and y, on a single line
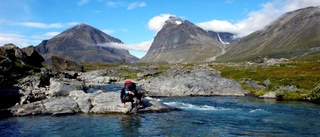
[(99, 65), (304, 75), (124, 68)]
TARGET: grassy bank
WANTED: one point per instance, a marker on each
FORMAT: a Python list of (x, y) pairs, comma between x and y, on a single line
[(303, 75)]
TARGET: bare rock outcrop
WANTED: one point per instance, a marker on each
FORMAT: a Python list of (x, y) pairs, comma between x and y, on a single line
[(66, 64), (179, 81)]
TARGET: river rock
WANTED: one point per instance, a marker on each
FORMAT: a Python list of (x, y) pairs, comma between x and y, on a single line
[(82, 99), (181, 81), (63, 86), (29, 109), (269, 95), (106, 102), (98, 77), (61, 105), (155, 106)]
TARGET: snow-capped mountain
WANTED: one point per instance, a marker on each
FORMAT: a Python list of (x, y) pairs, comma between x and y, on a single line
[(183, 42)]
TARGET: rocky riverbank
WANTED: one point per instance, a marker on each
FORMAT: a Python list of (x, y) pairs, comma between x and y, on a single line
[(78, 101)]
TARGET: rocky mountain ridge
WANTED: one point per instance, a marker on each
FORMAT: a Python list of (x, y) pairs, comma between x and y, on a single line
[(295, 35), (182, 42), (80, 40)]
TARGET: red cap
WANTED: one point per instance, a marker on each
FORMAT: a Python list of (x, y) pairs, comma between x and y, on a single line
[(128, 82)]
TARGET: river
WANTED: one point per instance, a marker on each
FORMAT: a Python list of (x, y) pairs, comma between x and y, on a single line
[(199, 116)]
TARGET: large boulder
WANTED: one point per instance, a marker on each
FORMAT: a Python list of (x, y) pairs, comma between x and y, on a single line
[(82, 99), (54, 106), (66, 64), (61, 105), (33, 57), (14, 53), (106, 102), (29, 109), (31, 89), (63, 86), (98, 77), (26, 55), (180, 81)]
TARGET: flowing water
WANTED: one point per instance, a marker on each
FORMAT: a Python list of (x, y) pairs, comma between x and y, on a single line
[(199, 116)]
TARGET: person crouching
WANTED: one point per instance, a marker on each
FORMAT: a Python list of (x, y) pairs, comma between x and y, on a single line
[(129, 92)]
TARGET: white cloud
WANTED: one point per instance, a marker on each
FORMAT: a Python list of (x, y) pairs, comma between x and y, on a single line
[(107, 31), (73, 23), (16, 39), (258, 19), (136, 5), (83, 2), (39, 25), (143, 46), (219, 26), (49, 35), (156, 23), (24, 41), (130, 6), (112, 4)]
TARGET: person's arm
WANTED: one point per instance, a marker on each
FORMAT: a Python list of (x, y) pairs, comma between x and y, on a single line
[(122, 94)]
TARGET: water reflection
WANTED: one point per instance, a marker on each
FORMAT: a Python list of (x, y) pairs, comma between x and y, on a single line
[(130, 125)]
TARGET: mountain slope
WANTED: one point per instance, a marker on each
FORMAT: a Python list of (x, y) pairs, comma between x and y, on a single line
[(82, 43), (295, 35), (182, 42)]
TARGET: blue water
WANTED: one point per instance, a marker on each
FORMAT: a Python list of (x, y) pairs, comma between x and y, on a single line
[(200, 116)]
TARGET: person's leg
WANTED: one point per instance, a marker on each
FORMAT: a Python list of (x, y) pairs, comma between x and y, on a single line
[(138, 99)]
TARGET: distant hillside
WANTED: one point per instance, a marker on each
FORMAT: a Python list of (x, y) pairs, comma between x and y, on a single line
[(295, 35), (183, 42), (82, 43)]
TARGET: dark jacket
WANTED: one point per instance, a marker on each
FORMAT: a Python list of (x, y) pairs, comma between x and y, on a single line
[(128, 87)]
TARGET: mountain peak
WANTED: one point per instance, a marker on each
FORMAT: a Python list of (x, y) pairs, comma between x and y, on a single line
[(174, 20), (87, 34), (80, 40), (182, 42)]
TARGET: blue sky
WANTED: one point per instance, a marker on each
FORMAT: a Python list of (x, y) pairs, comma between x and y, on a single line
[(135, 22)]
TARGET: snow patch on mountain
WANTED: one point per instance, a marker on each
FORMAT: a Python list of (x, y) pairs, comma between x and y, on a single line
[(178, 22), (222, 40)]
